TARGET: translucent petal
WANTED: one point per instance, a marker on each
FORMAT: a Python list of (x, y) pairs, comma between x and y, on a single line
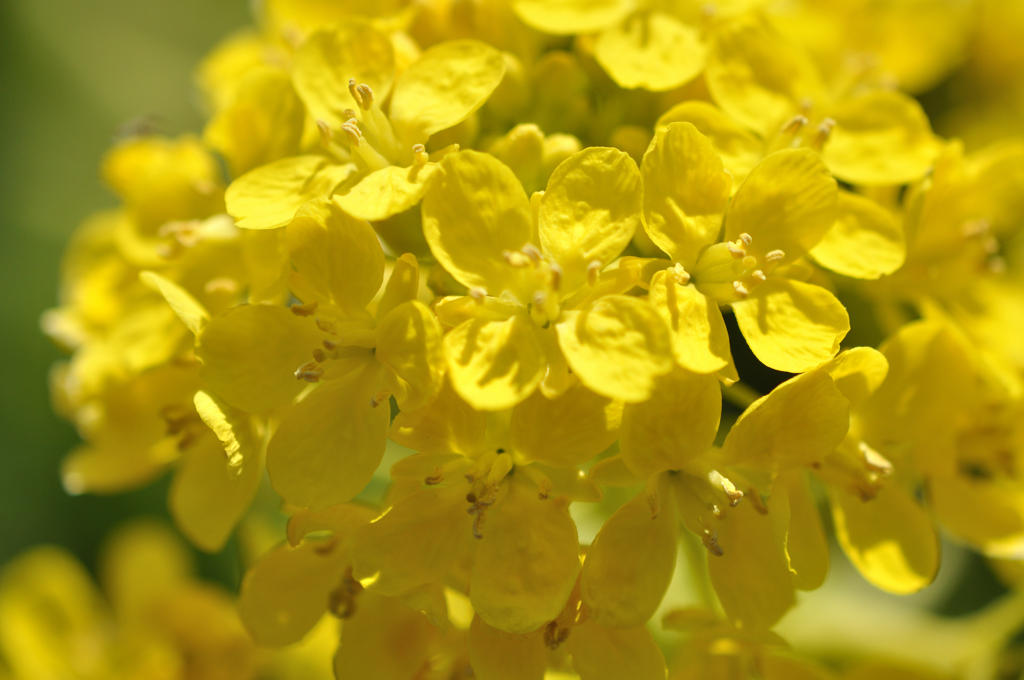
[(880, 138), (630, 563), (263, 121), (806, 543), (654, 51), (739, 148), (798, 423), (757, 76), (700, 340), (269, 196), (526, 563), (409, 344), (443, 87), (475, 211), (327, 60), (752, 576), (369, 649), (566, 431), (864, 243), (589, 211), (329, 445), (889, 538), (788, 203), (188, 309), (337, 255), (791, 325), (600, 653), (618, 347), (494, 365), (678, 424), (446, 425), (566, 17), (496, 655), (983, 513), (287, 591), (402, 286), (256, 376), (417, 541), (686, 190), (387, 192), (858, 372)]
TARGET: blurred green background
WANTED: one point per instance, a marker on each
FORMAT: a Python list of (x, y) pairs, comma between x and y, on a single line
[(72, 72)]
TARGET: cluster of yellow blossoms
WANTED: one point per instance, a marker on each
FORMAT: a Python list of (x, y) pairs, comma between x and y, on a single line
[(501, 252)]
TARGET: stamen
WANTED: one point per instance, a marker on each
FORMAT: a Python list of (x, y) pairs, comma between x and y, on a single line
[(654, 505), (740, 289), (736, 250), (679, 274), (517, 260), (823, 134), (794, 124), (746, 238), (477, 293), (304, 310), (478, 523), (774, 256), (758, 276), (540, 298), (732, 493), (556, 276), (554, 636), (532, 252), (594, 272), (326, 136), (331, 345), (310, 372), (351, 130), (436, 477), (710, 540), (356, 94), (420, 155), (379, 398), (874, 461)]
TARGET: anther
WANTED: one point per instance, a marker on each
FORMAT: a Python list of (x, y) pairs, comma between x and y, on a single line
[(366, 96), (977, 227), (731, 492), (758, 276), (310, 372), (746, 238), (419, 154), (304, 310), (654, 505), (353, 90), (874, 461), (757, 501), (740, 289), (710, 540), (736, 249), (348, 114), (477, 293), (326, 326), (326, 136), (532, 252), (478, 523), (555, 636), (774, 256), (436, 477), (351, 130), (379, 398), (518, 260), (556, 276), (680, 275), (823, 134), (330, 345), (540, 298), (594, 272), (793, 125)]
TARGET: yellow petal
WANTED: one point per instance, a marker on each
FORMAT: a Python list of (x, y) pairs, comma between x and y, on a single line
[(787, 203), (217, 477), (880, 138), (446, 425), (387, 192), (631, 561), (188, 309), (806, 543), (269, 196), (475, 210), (262, 123), (369, 648), (338, 256), (751, 576), (797, 424), (858, 372), (791, 325), (140, 563), (600, 653), (678, 424), (341, 520), (566, 431), (890, 538), (328, 447), (417, 541), (566, 17), (686, 190), (700, 340), (496, 655), (654, 51), (986, 514), (739, 148), (256, 376), (494, 365), (757, 76), (444, 87), (409, 344), (589, 211), (327, 60), (526, 563), (288, 590), (618, 347), (864, 243), (402, 286)]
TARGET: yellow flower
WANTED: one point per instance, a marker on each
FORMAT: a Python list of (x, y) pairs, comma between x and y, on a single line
[(783, 209), (375, 162), (536, 311)]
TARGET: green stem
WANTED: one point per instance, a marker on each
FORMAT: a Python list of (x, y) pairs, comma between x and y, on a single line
[(739, 395)]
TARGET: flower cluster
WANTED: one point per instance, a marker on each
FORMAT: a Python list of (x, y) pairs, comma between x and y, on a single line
[(511, 247)]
